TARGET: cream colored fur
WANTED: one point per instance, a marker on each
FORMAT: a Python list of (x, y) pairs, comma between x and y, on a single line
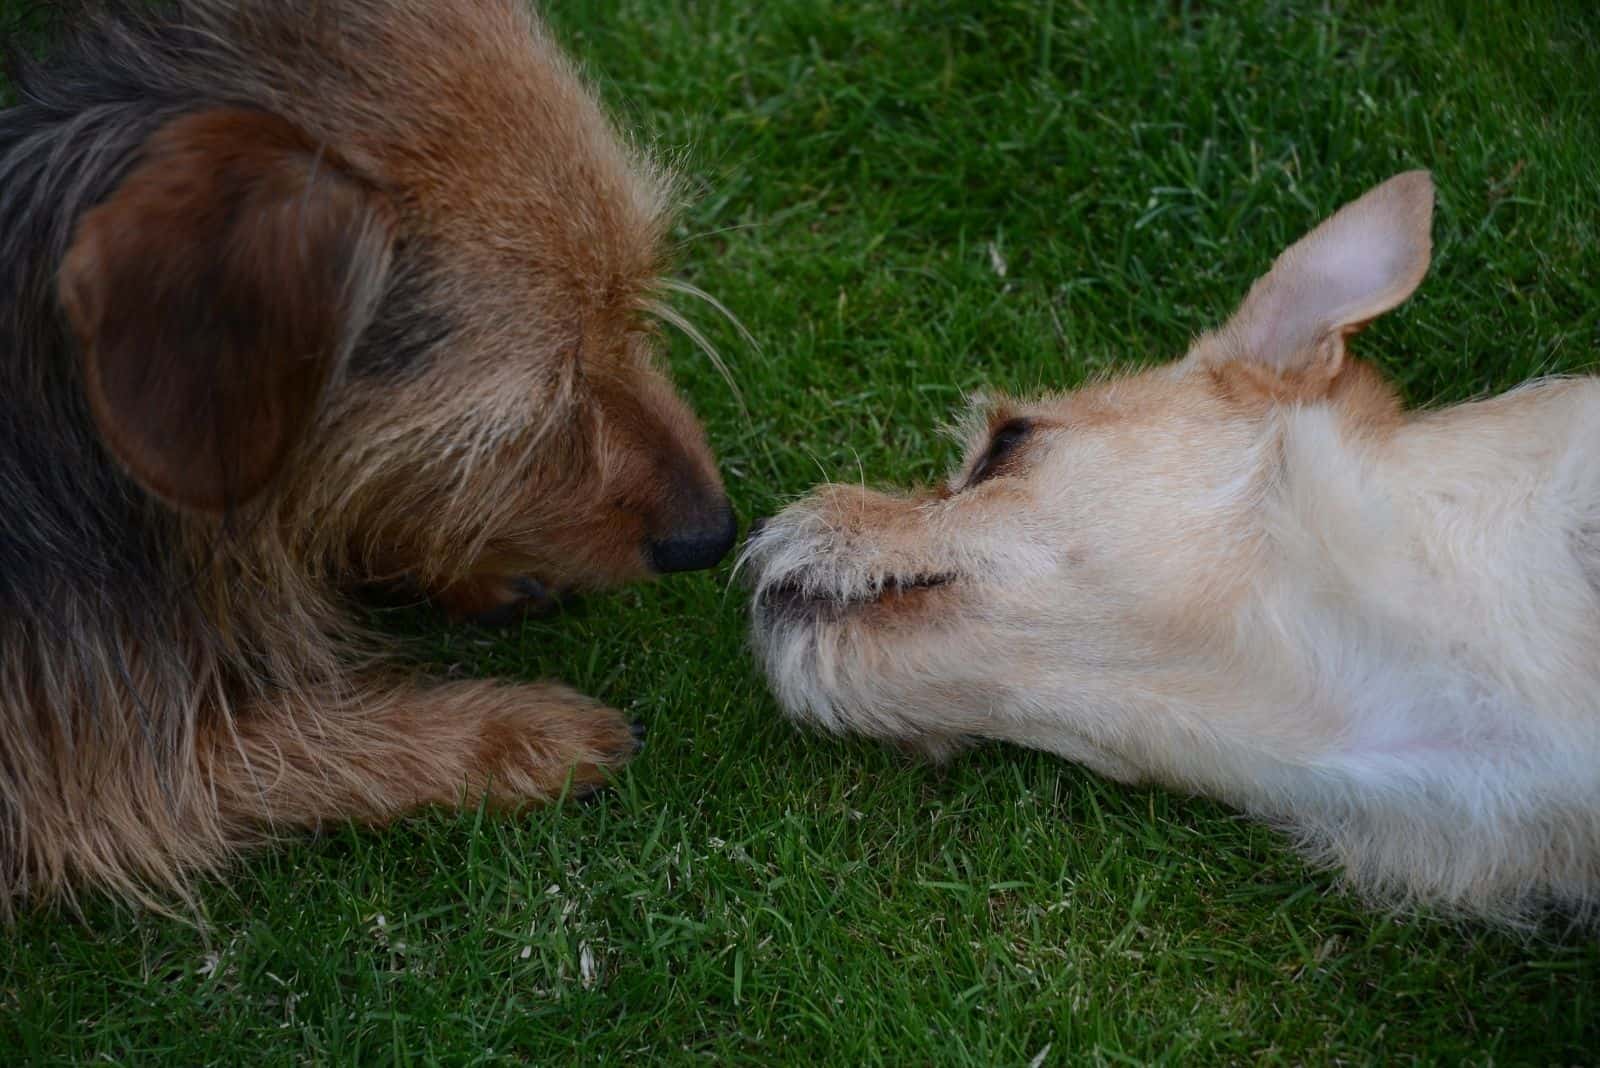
[(1249, 574)]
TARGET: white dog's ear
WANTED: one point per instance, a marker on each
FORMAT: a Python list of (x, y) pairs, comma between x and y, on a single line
[(1362, 261)]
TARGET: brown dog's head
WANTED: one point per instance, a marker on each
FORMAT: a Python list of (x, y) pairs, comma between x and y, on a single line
[(1077, 584), (386, 282)]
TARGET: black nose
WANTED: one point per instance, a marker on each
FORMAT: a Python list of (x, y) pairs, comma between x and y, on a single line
[(696, 547)]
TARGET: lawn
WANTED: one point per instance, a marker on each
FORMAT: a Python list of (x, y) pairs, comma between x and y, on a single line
[(902, 201)]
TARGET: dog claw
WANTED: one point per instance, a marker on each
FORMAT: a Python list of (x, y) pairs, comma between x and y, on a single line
[(587, 792)]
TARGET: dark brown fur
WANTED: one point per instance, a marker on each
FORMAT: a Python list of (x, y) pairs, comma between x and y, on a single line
[(295, 298)]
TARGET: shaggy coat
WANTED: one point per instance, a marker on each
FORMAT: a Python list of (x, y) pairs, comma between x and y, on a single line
[(294, 298), (1251, 575)]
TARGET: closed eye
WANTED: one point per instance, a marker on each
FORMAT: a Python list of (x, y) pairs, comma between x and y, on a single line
[(1003, 445)]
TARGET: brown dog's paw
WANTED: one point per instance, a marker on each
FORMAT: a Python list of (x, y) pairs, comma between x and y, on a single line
[(399, 749), (559, 743)]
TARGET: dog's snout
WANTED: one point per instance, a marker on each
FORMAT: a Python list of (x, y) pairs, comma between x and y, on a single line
[(698, 544)]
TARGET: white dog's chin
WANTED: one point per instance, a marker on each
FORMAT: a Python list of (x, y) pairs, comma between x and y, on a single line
[(832, 640)]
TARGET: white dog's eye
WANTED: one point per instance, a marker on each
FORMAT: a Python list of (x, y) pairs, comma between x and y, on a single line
[(1003, 444)]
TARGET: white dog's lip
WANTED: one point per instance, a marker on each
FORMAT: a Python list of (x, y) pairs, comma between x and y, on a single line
[(797, 597)]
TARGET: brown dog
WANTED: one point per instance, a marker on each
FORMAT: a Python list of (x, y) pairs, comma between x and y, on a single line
[(295, 297)]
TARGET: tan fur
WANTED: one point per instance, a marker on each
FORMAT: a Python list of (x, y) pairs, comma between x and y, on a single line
[(1250, 574), (387, 323)]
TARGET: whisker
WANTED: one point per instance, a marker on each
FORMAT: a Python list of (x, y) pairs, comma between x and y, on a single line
[(731, 228), (689, 289), (673, 317), (747, 553)]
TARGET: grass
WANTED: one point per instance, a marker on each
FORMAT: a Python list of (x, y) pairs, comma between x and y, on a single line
[(752, 894)]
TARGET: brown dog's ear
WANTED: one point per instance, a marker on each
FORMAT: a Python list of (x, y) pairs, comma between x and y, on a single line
[(213, 294), (1362, 261)]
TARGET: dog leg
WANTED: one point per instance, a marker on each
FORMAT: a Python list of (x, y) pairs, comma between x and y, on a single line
[(495, 601), (380, 753)]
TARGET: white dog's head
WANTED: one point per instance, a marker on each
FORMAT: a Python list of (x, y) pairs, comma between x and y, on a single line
[(1075, 584)]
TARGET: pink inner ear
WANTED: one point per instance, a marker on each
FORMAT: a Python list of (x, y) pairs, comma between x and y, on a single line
[(1361, 262)]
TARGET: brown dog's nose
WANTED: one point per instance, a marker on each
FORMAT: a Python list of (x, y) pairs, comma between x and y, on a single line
[(697, 545)]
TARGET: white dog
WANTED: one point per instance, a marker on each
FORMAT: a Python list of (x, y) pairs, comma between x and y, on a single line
[(1251, 575)]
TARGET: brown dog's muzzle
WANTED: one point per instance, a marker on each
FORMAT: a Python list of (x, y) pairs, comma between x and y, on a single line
[(664, 503)]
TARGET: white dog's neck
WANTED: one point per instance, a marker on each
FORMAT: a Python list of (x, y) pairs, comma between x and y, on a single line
[(1429, 586)]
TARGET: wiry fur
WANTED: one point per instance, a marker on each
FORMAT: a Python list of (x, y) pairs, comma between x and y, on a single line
[(1251, 575), (178, 679)]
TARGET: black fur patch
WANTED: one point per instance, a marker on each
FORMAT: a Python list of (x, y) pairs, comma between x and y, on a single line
[(75, 534), (410, 324)]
